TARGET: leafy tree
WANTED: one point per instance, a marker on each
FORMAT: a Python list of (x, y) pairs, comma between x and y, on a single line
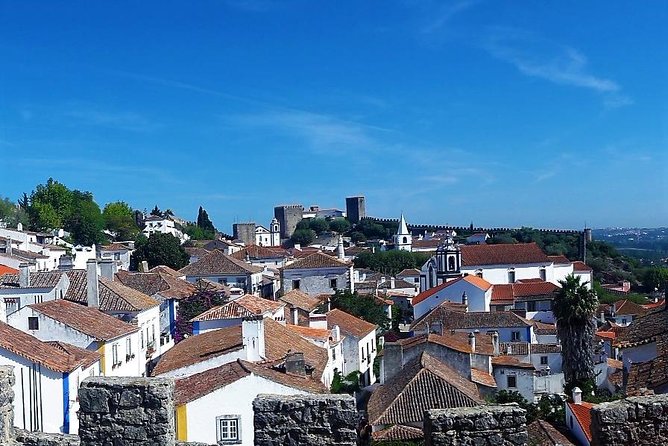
[(202, 300), (156, 212), (339, 225), (85, 223), (304, 237), (345, 384), (319, 225), (119, 218), (391, 262), (197, 233), (357, 237), (50, 205), (364, 307), (159, 249), (574, 309), (12, 213), (203, 221), (513, 396), (655, 278)]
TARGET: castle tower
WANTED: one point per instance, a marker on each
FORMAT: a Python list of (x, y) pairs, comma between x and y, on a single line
[(403, 240), (448, 260), (275, 233)]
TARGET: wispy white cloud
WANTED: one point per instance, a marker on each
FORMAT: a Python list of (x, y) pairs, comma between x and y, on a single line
[(445, 12), (122, 120), (559, 64)]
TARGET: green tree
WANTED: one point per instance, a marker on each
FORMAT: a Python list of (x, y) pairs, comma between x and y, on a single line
[(304, 237), (50, 206), (85, 223), (197, 233), (364, 307), (12, 213), (339, 225), (156, 212), (345, 384), (655, 278), (391, 262), (319, 225), (574, 309), (203, 221), (357, 237), (119, 219), (159, 249)]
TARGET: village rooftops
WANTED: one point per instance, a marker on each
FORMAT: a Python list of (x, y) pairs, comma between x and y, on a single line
[(280, 340), (410, 272), (4, 269), (423, 383), (476, 281), (452, 319), (218, 263), (349, 324), (559, 259), (582, 413), (42, 279), (523, 290), (316, 334), (245, 306), (579, 266), (647, 375), (201, 384), (511, 362), (114, 296), (256, 252), (503, 254), (398, 432), (89, 321), (158, 283), (47, 355), (317, 260), (456, 341), (116, 246), (301, 300), (543, 433), (644, 329)]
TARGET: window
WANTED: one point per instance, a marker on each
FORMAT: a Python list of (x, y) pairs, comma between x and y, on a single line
[(334, 354), (479, 273), (542, 274), (228, 429), (114, 355), (117, 256), (511, 276), (405, 240), (141, 338), (543, 360), (531, 305), (128, 349), (515, 336), (363, 355), (332, 283), (512, 382), (451, 263), (295, 284), (33, 323), (373, 345)]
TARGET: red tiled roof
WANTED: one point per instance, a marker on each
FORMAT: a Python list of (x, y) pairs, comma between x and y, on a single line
[(230, 310), (473, 280), (280, 340), (503, 254), (349, 324), (482, 378), (582, 413), (159, 282), (398, 432), (581, 267), (259, 305), (544, 434), (512, 291), (4, 269), (301, 300), (86, 357), (116, 246), (510, 361), (409, 272), (89, 321), (458, 341), (559, 259), (259, 252), (114, 296), (217, 262), (319, 334), (317, 260)]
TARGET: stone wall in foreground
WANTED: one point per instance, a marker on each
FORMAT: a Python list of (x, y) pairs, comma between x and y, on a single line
[(640, 420), (503, 425), (323, 420)]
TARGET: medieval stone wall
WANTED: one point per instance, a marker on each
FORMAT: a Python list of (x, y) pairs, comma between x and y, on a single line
[(323, 420), (6, 409), (482, 426), (640, 420)]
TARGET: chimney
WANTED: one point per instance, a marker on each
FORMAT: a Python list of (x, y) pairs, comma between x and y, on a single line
[(465, 300), (24, 275), (65, 263), (295, 364), (8, 247), (495, 343), (108, 269), (336, 333), (603, 317), (472, 342), (577, 395), (143, 266), (92, 285), (392, 283), (340, 252), (252, 333)]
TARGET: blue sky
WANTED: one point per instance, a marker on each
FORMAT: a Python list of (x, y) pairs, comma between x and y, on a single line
[(545, 114)]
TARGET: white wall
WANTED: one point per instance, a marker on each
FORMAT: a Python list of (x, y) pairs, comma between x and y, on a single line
[(317, 281), (641, 353), (478, 299), (498, 274), (234, 399), (575, 428), (524, 380)]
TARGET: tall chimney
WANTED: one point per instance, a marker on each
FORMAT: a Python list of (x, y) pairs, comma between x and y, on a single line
[(143, 266), (295, 364), (495, 343), (392, 282), (465, 300), (472, 342), (107, 269), (577, 395), (65, 263), (24, 275), (92, 285), (252, 333), (8, 247), (340, 252)]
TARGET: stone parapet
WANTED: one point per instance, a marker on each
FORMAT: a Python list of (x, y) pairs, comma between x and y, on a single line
[(503, 425), (323, 420), (126, 411), (25, 438), (640, 420), (6, 408)]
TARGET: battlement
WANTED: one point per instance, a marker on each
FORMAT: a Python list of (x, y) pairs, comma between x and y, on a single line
[(434, 228)]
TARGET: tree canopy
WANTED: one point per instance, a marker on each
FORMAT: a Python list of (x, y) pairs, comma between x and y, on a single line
[(364, 307), (304, 237), (203, 220), (391, 262), (119, 220), (159, 249)]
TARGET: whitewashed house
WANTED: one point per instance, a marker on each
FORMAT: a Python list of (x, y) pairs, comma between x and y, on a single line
[(221, 268), (233, 313), (216, 406), (359, 344), (472, 291), (88, 328), (163, 225), (27, 287), (118, 252), (331, 340), (47, 377), (316, 274)]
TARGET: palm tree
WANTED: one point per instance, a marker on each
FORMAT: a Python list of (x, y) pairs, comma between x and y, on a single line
[(574, 309)]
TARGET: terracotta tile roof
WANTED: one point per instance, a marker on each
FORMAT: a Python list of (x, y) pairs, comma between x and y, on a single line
[(647, 375), (116, 246), (424, 383), (280, 340), (409, 272), (454, 320), (559, 259), (545, 348), (42, 279), (198, 348), (627, 307), (349, 324), (473, 280), (483, 378), (523, 290), (301, 300), (580, 266), (255, 252), (157, 283), (89, 321), (645, 329), (259, 305), (317, 260), (615, 363), (86, 357), (305, 383), (582, 413), (458, 341), (606, 334), (503, 254), (216, 262), (655, 305), (4, 269), (196, 252), (510, 361), (114, 296), (543, 433), (398, 432), (514, 348), (27, 254), (193, 387), (230, 310), (318, 334), (541, 328), (31, 348), (165, 269), (432, 243)]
